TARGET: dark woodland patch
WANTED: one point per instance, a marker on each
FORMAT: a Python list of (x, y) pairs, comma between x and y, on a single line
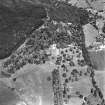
[(103, 29), (68, 13), (17, 24)]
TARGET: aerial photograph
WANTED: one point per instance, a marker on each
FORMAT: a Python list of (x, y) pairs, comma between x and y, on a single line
[(52, 52)]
